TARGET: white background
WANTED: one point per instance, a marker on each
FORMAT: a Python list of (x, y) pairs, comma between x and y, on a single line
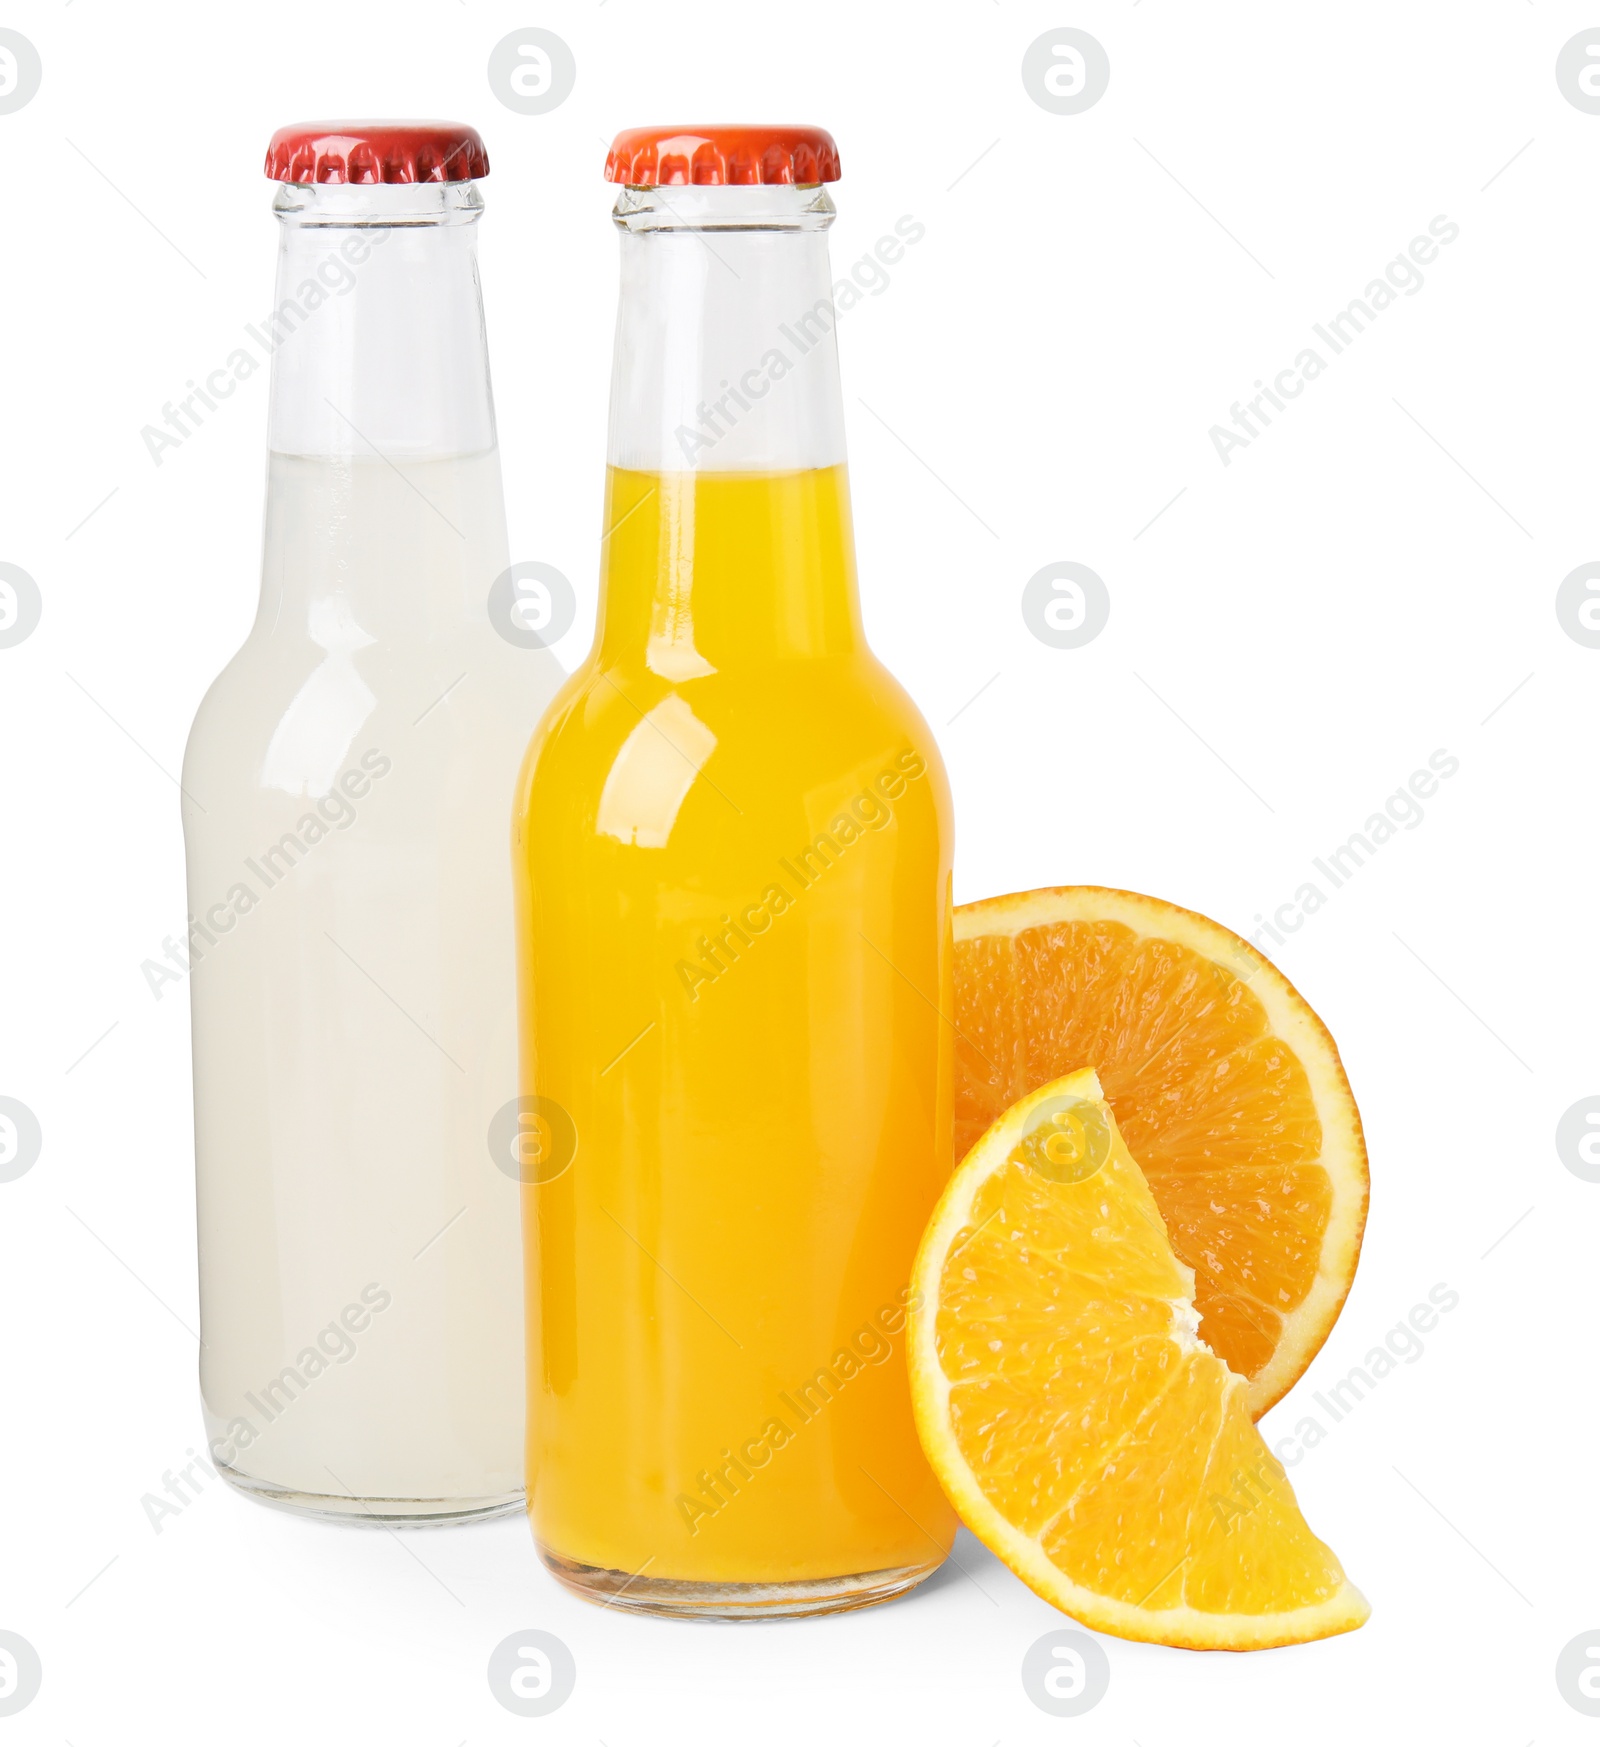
[(1371, 580)]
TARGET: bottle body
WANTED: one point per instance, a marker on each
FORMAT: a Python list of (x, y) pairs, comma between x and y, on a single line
[(351, 989), (733, 851)]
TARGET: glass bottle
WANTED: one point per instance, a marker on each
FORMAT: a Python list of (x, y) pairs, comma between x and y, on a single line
[(734, 949), (344, 815)]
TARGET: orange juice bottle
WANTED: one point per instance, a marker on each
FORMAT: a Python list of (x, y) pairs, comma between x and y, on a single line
[(732, 855)]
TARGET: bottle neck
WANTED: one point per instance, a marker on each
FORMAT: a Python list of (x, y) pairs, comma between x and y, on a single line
[(725, 357), (385, 520), (376, 330), (727, 529), (704, 572)]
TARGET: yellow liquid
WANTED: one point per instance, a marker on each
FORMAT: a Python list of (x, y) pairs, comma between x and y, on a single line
[(732, 854)]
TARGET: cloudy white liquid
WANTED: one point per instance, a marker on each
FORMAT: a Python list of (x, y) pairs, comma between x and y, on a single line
[(348, 785)]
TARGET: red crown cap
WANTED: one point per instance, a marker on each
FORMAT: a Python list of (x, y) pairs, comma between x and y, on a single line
[(376, 151), (711, 157)]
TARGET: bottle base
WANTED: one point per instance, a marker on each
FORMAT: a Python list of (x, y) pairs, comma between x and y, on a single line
[(680, 1598), (377, 1513)]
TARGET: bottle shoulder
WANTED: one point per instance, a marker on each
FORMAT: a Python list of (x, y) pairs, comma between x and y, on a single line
[(280, 719), (787, 736), (839, 704)]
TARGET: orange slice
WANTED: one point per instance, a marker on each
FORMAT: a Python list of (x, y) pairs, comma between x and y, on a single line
[(1080, 1427), (1226, 1084)]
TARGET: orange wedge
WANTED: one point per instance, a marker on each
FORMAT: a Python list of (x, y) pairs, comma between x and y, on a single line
[(1228, 1087), (1081, 1428)]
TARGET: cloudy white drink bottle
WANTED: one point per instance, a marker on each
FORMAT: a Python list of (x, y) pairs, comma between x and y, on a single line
[(345, 796)]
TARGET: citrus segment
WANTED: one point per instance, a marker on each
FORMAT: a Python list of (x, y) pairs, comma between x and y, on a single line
[(1227, 1087), (1080, 1426)]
